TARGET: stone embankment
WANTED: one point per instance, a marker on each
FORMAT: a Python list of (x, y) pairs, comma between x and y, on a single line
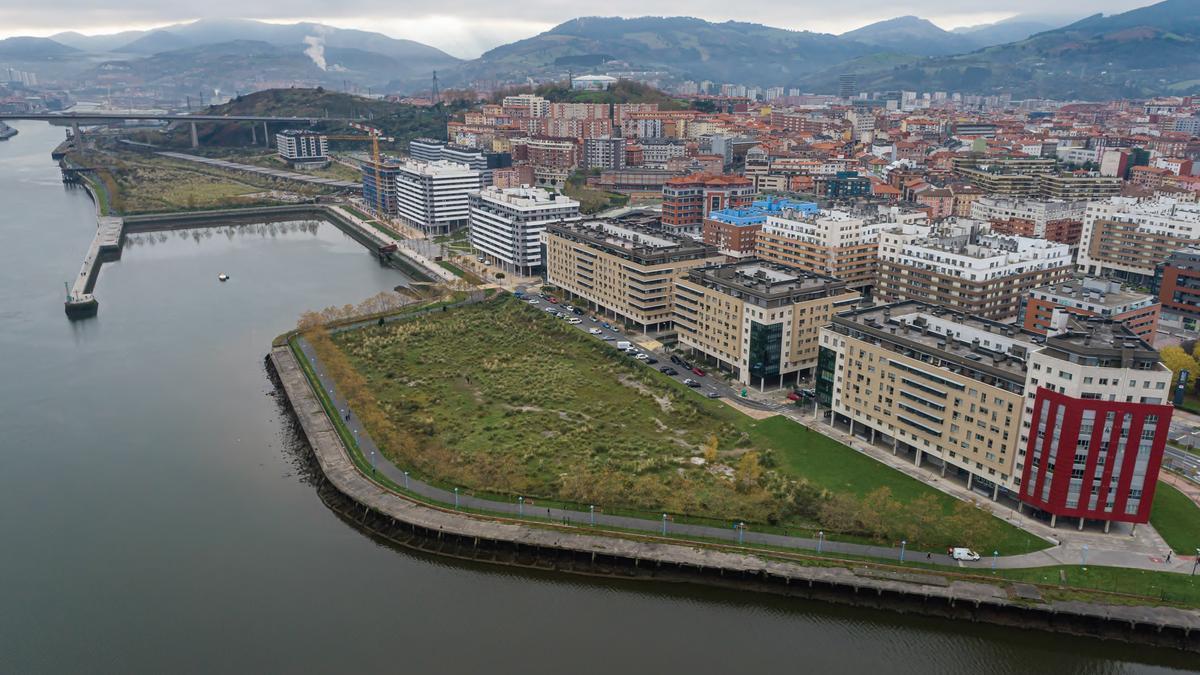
[(398, 519)]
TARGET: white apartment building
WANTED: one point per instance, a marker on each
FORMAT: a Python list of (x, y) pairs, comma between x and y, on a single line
[(965, 267), (302, 148), (1127, 237), (535, 105), (1037, 212), (506, 224), (434, 195), (836, 243)]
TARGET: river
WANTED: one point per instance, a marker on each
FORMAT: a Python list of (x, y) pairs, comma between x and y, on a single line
[(155, 517)]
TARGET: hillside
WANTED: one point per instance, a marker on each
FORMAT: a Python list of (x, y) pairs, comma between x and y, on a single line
[(911, 35), (683, 47), (1146, 51), (623, 91), (403, 122), (31, 48)]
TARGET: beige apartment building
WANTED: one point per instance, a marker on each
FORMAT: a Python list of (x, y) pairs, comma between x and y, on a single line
[(963, 266), (759, 321), (835, 243), (621, 269), (1072, 423), (892, 370)]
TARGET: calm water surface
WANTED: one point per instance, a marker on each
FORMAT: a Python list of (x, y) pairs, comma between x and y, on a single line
[(154, 517)]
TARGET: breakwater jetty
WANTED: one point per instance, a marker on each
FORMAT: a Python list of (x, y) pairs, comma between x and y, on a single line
[(579, 550), (110, 234)]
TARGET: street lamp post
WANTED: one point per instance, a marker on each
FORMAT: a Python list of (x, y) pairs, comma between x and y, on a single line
[(456, 498), (405, 480), (820, 540), (994, 554), (664, 528), (1196, 562), (592, 515), (372, 462), (741, 528), (521, 506), (903, 544), (1085, 556)]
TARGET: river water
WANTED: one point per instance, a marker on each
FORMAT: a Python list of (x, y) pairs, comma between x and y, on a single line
[(154, 516)]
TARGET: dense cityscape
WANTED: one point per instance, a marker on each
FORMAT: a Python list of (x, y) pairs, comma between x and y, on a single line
[(911, 344)]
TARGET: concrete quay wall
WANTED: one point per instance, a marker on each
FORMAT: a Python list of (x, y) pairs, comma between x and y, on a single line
[(442, 531)]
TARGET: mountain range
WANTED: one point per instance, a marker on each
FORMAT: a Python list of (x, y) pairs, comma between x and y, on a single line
[(1151, 50)]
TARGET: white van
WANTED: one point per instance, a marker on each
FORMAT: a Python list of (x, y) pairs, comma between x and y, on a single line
[(623, 345), (963, 554)]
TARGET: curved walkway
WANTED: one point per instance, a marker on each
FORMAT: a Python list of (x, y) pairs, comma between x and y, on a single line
[(381, 464)]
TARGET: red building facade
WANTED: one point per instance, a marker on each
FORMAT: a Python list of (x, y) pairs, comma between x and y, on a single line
[(1094, 459)]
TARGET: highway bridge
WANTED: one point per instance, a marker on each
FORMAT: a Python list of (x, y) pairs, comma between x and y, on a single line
[(76, 119), (104, 117)]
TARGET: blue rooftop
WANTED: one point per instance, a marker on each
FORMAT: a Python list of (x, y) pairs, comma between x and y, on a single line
[(759, 210)]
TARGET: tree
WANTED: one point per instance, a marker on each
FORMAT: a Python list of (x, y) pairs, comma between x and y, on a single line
[(924, 512), (878, 513), (1178, 360), (839, 513), (749, 471), (970, 524), (710, 449)]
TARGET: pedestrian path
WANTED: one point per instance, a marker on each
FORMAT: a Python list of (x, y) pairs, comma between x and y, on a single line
[(529, 508)]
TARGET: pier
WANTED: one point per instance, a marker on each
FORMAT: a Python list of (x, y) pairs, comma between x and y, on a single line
[(106, 245)]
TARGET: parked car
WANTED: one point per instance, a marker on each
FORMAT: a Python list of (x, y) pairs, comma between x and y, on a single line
[(959, 553), (793, 396), (575, 321), (519, 295), (631, 350), (623, 345), (534, 301), (578, 312), (691, 383), (685, 364), (651, 360), (668, 370), (595, 331), (553, 300), (713, 394), (674, 359), (697, 371), (641, 357)]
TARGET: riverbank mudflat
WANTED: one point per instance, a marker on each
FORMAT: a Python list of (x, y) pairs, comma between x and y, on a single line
[(443, 531)]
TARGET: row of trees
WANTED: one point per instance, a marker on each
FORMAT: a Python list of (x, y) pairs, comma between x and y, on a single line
[(1178, 359)]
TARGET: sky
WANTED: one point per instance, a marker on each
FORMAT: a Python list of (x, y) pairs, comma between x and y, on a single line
[(466, 28)]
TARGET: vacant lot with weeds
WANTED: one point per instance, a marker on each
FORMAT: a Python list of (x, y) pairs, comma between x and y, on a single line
[(502, 399)]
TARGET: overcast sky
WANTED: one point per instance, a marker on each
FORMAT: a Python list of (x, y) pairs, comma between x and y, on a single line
[(467, 27)]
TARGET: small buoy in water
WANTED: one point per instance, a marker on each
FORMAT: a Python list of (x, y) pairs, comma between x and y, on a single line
[(223, 277)]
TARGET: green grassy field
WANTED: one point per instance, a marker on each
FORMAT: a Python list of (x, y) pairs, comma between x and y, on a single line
[(1177, 519), (503, 399)]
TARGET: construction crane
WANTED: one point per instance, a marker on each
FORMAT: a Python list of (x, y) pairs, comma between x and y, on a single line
[(374, 136)]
